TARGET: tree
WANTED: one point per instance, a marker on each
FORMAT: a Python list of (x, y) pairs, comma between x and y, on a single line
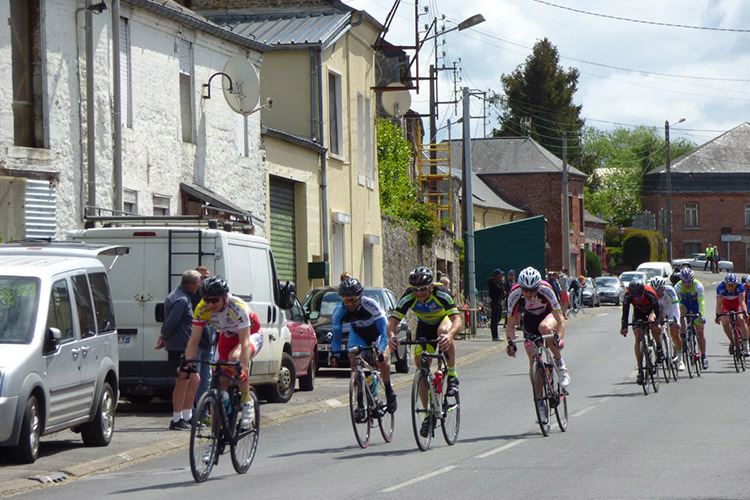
[(542, 91), (619, 159)]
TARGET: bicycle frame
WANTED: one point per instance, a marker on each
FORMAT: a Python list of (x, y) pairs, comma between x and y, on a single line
[(545, 384), (736, 340), (690, 345), (648, 366), (374, 409)]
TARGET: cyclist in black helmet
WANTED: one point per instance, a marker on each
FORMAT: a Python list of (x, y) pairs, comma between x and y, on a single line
[(645, 304)]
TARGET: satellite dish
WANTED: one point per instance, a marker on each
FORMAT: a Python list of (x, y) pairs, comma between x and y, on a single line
[(396, 102), (243, 97)]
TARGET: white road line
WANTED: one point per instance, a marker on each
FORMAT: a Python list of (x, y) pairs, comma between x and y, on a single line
[(589, 408), (334, 402), (498, 450), (418, 479)]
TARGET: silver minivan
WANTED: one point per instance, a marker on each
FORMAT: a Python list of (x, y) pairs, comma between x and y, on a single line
[(58, 345)]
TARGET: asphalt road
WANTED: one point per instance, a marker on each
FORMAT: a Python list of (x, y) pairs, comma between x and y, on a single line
[(686, 441)]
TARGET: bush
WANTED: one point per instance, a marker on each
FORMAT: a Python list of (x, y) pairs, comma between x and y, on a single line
[(593, 264), (643, 246)]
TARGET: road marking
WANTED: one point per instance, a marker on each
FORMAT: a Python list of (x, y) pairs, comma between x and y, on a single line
[(418, 479), (589, 408), (334, 402), (498, 450)]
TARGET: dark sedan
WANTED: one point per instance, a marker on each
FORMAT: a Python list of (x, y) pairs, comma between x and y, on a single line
[(319, 305)]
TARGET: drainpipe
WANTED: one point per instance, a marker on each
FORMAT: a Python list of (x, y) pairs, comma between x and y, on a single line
[(323, 164), (117, 91), (313, 105), (90, 129)]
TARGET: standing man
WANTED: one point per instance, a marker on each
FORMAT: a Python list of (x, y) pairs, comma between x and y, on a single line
[(178, 313), (497, 295), (709, 257), (205, 348), (716, 258), (507, 285)]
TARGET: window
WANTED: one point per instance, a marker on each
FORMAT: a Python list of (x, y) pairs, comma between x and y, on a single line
[(368, 264), (130, 201), (19, 297), (692, 247), (27, 64), (126, 87), (747, 216), (570, 213), (161, 204), (691, 215), (84, 306), (361, 137), (59, 314), (368, 146), (185, 52), (580, 214), (334, 113), (105, 312)]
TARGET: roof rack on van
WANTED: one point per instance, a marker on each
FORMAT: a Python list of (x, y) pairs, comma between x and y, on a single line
[(170, 220)]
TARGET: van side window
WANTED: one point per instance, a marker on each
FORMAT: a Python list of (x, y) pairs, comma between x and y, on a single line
[(59, 314), (105, 313), (18, 304), (84, 306)]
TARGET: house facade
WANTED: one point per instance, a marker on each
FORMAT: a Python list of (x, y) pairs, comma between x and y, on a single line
[(710, 198)]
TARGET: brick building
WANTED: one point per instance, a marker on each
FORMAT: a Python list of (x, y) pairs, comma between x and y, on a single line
[(710, 198), (523, 173)]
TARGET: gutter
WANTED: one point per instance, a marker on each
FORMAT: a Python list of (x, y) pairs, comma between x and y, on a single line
[(117, 111)]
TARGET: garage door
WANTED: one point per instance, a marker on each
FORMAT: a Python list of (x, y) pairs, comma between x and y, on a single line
[(283, 242)]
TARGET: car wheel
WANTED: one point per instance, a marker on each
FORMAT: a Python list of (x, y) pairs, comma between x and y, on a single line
[(307, 382), (282, 391), (99, 431), (27, 449)]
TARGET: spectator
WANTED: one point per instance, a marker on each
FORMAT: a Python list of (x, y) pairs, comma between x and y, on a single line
[(205, 348), (574, 290), (508, 284), (445, 281), (497, 294), (178, 314)]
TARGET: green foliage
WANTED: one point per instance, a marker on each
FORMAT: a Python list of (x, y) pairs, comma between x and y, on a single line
[(399, 195), (615, 256), (461, 253), (593, 264), (543, 91), (643, 246)]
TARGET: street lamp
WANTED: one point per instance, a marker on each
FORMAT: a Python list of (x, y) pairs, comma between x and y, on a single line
[(668, 171)]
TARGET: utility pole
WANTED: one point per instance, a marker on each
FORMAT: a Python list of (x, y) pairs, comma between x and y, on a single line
[(471, 285), (668, 172), (566, 215)]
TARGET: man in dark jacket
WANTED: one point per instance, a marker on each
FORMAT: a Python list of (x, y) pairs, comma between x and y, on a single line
[(178, 321), (497, 294)]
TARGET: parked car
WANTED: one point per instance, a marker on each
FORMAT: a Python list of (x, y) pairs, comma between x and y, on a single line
[(304, 345), (698, 261), (611, 289), (319, 305), (629, 276), (654, 269), (58, 345), (591, 294)]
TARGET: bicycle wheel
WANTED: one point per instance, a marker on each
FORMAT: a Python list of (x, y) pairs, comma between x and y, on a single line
[(421, 409), (560, 398), (204, 437), (245, 439), (738, 335), (667, 351), (363, 426), (696, 353), (387, 420), (451, 418), (687, 356), (644, 368), (541, 401), (654, 367)]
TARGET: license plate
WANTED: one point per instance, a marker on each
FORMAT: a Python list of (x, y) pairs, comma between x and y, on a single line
[(324, 347), (124, 339)]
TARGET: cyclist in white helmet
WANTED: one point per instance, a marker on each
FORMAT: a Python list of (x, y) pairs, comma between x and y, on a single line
[(669, 307)]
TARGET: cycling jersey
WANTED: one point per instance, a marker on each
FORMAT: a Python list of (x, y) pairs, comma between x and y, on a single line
[(543, 302), (235, 316), (730, 301), (437, 307), (367, 324), (692, 297), (642, 306), (669, 303)]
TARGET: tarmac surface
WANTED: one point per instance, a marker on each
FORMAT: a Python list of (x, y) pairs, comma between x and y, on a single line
[(141, 430)]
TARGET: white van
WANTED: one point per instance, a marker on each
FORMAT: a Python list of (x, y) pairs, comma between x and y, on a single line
[(158, 257), (58, 345), (653, 269)]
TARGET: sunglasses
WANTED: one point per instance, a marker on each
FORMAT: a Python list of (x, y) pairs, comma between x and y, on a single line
[(421, 288), (526, 290), (211, 300), (350, 300)]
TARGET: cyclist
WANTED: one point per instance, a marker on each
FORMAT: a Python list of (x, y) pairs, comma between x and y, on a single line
[(669, 306), (437, 320), (536, 300), (645, 307), (367, 325), (693, 299), (730, 296), (239, 338)]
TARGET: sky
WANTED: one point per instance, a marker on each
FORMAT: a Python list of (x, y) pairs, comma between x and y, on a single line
[(662, 60)]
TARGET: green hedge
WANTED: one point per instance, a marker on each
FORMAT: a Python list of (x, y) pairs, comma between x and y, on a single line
[(643, 246), (593, 264)]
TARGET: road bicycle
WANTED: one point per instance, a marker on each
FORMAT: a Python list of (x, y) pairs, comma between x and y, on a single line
[(548, 393), (669, 363), (690, 352), (736, 342), (217, 423), (366, 387), (429, 399), (648, 367)]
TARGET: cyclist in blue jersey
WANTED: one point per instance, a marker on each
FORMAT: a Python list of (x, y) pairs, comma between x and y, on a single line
[(367, 324), (693, 299)]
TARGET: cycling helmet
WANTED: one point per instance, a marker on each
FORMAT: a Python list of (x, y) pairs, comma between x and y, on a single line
[(420, 276), (215, 286), (687, 274), (529, 278), (658, 283), (731, 279), (350, 287), (636, 287), (745, 279)]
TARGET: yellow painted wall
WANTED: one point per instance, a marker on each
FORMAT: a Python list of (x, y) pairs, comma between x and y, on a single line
[(285, 78)]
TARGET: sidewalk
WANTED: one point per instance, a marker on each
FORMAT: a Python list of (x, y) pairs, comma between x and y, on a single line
[(141, 430)]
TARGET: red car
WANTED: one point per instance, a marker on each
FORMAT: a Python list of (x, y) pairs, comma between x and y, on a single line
[(304, 345)]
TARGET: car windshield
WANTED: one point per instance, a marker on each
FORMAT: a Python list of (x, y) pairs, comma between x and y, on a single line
[(631, 276), (18, 306), (325, 303), (606, 281), (652, 271)]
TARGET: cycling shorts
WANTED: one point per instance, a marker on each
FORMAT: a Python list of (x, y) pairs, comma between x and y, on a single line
[(642, 315), (531, 324), (694, 308), (429, 332), (227, 343), (671, 313), (356, 341), (730, 305)]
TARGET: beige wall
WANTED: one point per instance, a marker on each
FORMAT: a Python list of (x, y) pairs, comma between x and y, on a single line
[(285, 78), (487, 217)]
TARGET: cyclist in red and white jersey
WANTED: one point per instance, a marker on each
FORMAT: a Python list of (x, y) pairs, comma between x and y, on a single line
[(645, 307), (730, 296)]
